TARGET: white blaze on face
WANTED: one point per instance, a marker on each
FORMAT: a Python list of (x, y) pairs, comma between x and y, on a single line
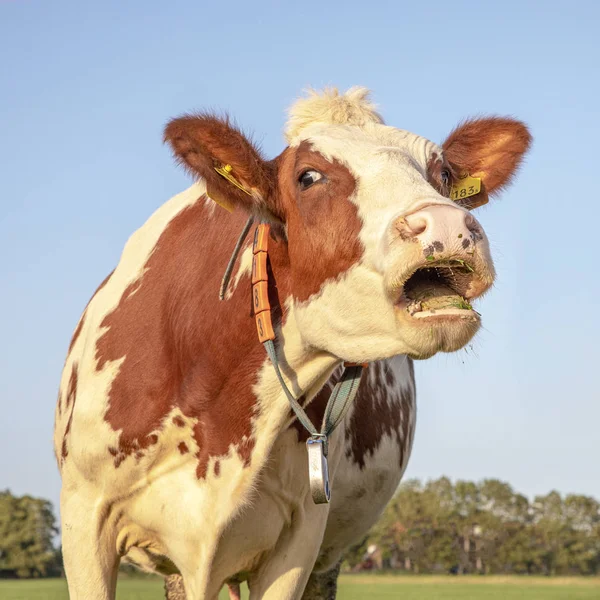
[(354, 317)]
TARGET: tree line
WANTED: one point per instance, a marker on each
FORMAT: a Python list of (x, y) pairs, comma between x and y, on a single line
[(27, 530), (484, 527), (438, 526)]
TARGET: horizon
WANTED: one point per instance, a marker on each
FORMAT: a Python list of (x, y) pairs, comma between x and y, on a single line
[(90, 89)]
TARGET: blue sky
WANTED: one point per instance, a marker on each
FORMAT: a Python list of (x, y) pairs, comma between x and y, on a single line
[(86, 90)]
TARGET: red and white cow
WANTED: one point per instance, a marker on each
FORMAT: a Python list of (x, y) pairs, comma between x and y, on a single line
[(176, 444)]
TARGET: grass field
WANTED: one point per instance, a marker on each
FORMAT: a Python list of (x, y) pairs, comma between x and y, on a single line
[(359, 587)]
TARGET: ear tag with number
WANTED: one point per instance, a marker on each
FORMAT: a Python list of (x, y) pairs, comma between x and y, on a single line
[(465, 187)]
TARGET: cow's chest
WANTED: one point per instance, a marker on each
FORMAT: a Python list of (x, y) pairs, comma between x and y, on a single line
[(366, 465)]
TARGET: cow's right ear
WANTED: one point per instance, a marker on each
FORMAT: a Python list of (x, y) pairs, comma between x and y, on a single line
[(204, 143)]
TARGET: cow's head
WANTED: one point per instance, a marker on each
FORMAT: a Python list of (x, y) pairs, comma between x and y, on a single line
[(382, 260)]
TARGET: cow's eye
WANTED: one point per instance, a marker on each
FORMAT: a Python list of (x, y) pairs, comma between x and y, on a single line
[(308, 178), (445, 176)]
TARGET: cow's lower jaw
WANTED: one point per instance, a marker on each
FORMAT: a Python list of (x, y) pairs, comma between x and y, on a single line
[(439, 330)]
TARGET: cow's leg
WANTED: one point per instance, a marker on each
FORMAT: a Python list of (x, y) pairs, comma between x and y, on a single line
[(322, 586), (89, 551), (284, 575)]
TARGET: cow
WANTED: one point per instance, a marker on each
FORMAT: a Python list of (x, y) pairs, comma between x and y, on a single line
[(176, 443)]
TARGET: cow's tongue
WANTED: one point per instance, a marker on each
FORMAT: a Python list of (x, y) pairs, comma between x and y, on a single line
[(426, 296)]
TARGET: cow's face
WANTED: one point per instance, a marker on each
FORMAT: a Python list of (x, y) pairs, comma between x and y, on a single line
[(382, 261)]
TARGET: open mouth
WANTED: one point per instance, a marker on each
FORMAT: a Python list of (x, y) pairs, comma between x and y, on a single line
[(439, 289)]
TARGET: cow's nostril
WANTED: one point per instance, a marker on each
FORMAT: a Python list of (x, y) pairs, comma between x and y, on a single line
[(417, 224), (471, 223), (419, 227)]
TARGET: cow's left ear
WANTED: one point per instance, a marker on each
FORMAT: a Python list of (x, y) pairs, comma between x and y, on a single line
[(205, 144), (491, 148)]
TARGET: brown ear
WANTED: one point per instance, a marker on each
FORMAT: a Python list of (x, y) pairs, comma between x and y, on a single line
[(491, 148), (203, 142)]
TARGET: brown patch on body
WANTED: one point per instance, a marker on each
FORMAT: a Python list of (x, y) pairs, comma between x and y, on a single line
[(182, 348), (182, 447), (382, 407), (379, 411)]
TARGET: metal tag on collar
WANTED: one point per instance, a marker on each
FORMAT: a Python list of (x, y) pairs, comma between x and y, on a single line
[(318, 472)]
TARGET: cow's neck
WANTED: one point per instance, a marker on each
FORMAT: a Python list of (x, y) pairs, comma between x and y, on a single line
[(304, 368)]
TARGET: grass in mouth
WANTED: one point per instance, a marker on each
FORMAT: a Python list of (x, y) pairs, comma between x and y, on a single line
[(463, 304)]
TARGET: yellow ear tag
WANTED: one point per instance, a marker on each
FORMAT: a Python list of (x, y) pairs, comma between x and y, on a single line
[(222, 202), (465, 187), (225, 171)]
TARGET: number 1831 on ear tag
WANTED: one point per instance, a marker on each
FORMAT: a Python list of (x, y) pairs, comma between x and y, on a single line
[(318, 471), (465, 187)]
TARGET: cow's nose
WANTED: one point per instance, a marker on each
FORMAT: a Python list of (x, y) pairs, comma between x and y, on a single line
[(437, 226)]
